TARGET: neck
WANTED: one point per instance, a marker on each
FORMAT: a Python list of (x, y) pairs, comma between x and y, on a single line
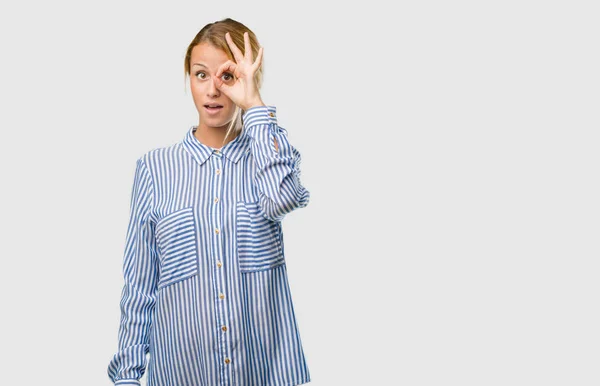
[(213, 136)]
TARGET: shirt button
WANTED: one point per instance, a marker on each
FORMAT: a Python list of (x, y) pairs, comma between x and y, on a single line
[(271, 114), (222, 295), (217, 230), (218, 171), (227, 360), (216, 199), (219, 264), (224, 328)]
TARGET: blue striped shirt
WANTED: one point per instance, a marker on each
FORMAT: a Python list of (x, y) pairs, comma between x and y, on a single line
[(206, 294)]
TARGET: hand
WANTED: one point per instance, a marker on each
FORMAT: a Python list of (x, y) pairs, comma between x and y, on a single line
[(243, 91)]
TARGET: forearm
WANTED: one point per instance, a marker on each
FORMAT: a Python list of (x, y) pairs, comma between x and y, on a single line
[(277, 164)]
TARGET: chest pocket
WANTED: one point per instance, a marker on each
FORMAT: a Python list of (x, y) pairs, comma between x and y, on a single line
[(176, 241), (259, 242)]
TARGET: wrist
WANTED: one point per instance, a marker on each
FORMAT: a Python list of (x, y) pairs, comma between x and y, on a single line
[(256, 103)]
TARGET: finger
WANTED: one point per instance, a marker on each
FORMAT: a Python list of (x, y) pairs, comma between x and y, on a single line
[(247, 48), (256, 65), (237, 54), (222, 86), (228, 66)]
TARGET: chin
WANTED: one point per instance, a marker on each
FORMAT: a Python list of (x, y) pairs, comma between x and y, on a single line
[(219, 120), (215, 122)]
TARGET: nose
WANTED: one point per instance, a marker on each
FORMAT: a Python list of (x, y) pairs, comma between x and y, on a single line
[(212, 91)]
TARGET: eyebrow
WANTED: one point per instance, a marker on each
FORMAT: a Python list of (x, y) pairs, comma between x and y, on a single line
[(199, 64)]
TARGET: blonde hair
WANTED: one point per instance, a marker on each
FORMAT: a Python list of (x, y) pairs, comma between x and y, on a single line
[(214, 33)]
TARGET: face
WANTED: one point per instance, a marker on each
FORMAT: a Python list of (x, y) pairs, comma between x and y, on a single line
[(205, 61)]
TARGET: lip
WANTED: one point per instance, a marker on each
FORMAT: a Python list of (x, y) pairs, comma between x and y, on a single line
[(213, 111)]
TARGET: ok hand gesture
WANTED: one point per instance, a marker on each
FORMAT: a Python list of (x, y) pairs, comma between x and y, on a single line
[(243, 91)]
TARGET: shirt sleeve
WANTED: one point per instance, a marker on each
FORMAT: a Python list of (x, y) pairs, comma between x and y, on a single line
[(139, 291), (277, 175)]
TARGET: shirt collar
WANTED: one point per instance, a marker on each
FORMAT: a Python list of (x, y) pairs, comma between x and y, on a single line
[(233, 150)]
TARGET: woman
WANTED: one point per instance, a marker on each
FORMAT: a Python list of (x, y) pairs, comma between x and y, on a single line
[(206, 293)]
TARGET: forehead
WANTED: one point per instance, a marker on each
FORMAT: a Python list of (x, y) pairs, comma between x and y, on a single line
[(208, 55)]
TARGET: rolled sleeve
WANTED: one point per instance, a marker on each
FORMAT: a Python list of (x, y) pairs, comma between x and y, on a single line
[(277, 167)]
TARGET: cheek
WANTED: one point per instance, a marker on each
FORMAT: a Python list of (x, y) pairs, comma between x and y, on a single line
[(195, 87), (196, 94)]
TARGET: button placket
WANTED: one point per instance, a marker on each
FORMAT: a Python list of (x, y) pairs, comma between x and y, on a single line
[(219, 273)]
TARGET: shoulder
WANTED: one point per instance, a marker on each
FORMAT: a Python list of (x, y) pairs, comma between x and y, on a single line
[(153, 158)]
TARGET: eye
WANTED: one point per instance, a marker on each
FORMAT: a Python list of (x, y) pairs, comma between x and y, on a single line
[(225, 74)]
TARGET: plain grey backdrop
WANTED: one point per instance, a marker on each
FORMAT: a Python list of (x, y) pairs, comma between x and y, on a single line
[(451, 151)]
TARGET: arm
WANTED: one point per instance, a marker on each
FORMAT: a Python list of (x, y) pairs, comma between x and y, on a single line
[(139, 291), (277, 168)]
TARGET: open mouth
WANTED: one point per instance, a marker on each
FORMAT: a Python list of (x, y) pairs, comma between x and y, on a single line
[(213, 107)]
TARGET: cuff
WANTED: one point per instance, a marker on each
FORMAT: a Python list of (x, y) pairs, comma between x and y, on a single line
[(260, 115), (127, 382)]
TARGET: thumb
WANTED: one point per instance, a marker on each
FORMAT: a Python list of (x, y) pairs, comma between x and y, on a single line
[(219, 83), (222, 86)]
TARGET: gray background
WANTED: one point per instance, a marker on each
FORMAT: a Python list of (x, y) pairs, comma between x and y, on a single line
[(450, 148)]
